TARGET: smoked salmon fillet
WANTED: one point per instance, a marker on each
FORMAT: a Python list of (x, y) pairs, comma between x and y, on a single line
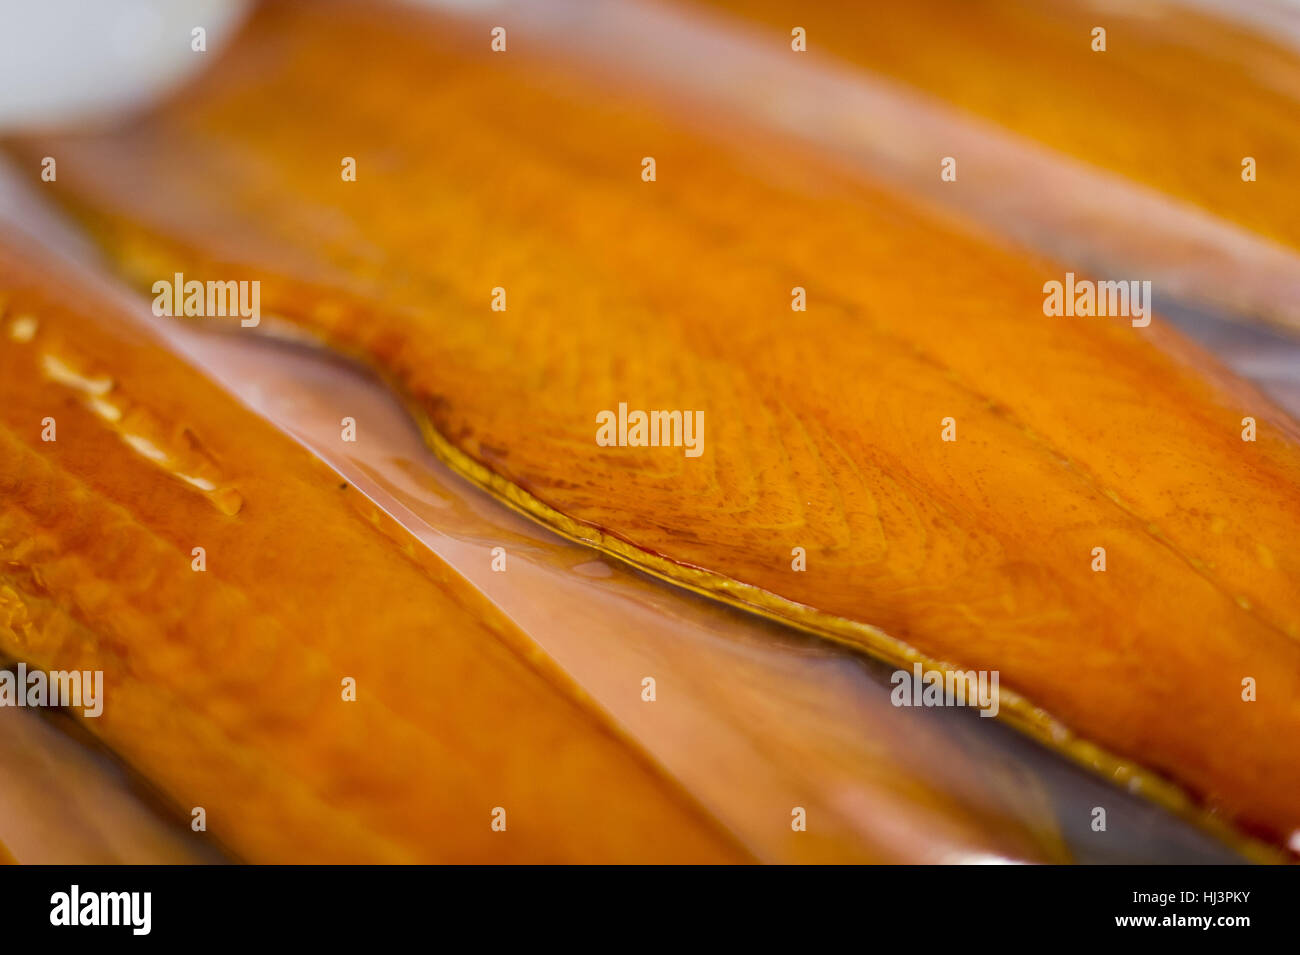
[(227, 670), (923, 463), (1177, 100)]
